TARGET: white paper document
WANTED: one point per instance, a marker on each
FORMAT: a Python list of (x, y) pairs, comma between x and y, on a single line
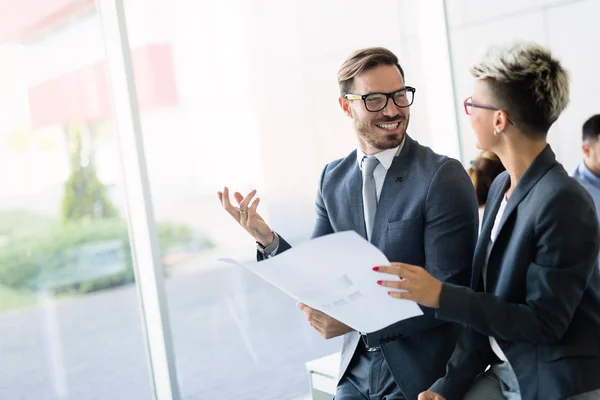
[(334, 274)]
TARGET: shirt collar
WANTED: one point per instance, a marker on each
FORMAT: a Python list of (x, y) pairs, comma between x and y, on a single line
[(385, 157), (588, 175)]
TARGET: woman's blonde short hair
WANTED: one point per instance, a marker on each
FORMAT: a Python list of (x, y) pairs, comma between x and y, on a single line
[(363, 60), (527, 82)]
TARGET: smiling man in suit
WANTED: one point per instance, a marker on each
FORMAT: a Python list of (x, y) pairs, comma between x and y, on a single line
[(416, 206)]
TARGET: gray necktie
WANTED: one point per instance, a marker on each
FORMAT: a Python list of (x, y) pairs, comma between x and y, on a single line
[(369, 192)]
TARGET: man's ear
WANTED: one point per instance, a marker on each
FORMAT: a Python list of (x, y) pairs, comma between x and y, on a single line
[(587, 149), (345, 105)]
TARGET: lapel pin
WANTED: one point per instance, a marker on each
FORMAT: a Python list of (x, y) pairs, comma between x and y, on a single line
[(398, 179)]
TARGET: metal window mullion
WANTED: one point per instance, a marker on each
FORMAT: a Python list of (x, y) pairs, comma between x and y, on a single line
[(457, 113), (142, 226)]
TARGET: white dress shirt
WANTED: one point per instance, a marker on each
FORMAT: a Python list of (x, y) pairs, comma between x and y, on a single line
[(385, 158), (493, 236)]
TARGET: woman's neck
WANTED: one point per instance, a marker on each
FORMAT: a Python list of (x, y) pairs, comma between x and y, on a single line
[(517, 156)]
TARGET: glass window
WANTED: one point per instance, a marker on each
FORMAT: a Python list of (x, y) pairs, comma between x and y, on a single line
[(242, 94), (69, 311)]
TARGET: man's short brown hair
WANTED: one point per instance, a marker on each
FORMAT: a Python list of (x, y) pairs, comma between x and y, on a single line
[(363, 60)]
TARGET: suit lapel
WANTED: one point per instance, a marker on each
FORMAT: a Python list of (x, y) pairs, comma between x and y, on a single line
[(491, 209), (395, 179), (354, 195), (534, 173), (544, 161)]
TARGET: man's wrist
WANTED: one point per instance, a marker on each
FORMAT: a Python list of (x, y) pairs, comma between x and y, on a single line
[(267, 242), (271, 248)]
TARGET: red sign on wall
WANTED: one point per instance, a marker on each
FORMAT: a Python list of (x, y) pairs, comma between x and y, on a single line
[(83, 95)]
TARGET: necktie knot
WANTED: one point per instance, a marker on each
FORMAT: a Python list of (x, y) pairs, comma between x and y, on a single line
[(368, 165)]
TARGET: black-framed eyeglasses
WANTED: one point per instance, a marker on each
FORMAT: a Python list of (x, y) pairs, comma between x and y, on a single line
[(469, 106), (375, 102)]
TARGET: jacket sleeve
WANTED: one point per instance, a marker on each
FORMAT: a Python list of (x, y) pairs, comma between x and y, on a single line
[(567, 242), (471, 356), (322, 224)]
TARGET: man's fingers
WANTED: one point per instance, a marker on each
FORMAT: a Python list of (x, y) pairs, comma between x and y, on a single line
[(317, 328), (311, 314), (252, 209), (254, 205), (238, 197), (305, 309), (317, 316), (224, 197), (244, 203)]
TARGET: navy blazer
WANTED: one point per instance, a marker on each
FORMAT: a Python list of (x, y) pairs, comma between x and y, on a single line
[(542, 302), (426, 215)]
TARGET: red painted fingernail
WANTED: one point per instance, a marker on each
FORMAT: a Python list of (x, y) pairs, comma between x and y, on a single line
[(379, 282), (375, 268), (389, 293)]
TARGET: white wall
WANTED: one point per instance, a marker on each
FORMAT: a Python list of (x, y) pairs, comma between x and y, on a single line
[(571, 31), (257, 80), (295, 50), (425, 55)]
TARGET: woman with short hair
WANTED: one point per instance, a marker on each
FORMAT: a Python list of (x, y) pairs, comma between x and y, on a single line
[(533, 309)]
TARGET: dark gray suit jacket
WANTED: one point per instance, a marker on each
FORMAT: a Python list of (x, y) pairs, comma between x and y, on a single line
[(542, 302), (427, 216)]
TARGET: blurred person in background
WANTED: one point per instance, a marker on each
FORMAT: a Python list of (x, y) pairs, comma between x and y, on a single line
[(483, 170), (533, 309), (588, 170), (416, 206)]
